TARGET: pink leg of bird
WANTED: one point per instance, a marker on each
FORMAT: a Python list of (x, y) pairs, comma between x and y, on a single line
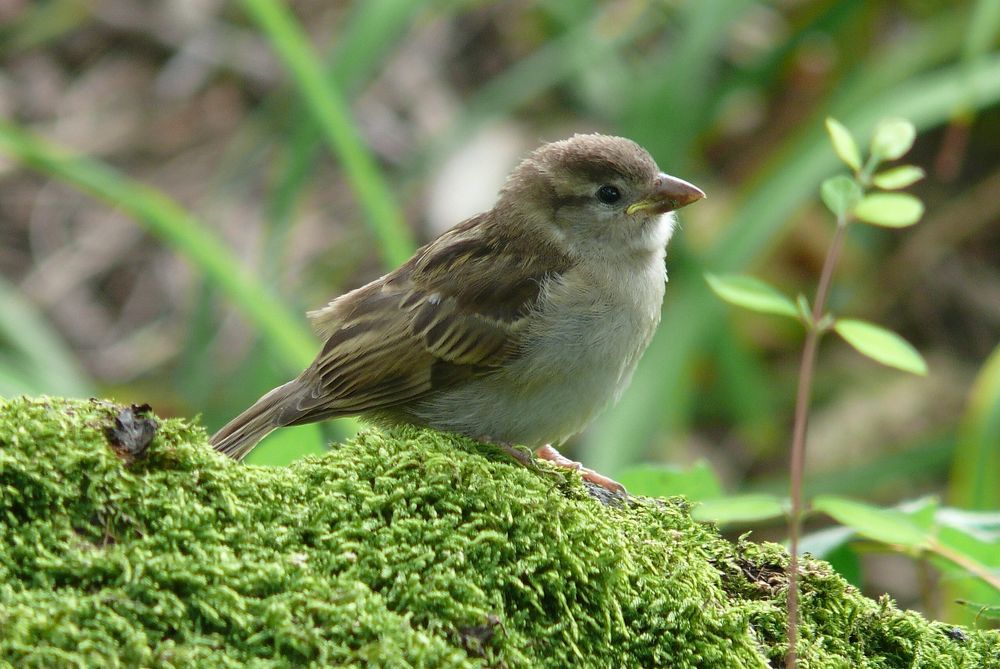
[(547, 452)]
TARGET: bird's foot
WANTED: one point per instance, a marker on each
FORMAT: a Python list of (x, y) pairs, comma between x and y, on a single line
[(550, 454)]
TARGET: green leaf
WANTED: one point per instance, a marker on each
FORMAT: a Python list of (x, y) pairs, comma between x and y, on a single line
[(888, 526), (898, 177), (890, 210), (823, 542), (893, 138), (881, 345), (846, 562), (840, 194), (748, 508), (751, 293), (843, 143), (697, 482)]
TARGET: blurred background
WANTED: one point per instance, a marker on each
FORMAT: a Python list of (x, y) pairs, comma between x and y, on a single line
[(237, 176)]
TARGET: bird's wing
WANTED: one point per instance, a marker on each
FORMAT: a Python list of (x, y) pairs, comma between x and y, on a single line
[(458, 308)]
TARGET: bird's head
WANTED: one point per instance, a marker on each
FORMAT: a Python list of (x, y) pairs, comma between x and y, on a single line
[(598, 190)]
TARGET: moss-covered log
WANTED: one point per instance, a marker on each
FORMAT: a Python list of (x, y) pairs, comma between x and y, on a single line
[(406, 549)]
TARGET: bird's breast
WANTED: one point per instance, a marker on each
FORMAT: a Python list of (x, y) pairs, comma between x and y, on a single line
[(593, 326), (588, 331)]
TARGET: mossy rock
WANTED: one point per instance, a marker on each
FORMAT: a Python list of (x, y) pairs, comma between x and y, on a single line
[(401, 549)]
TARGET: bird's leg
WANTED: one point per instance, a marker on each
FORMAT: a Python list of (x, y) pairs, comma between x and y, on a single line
[(547, 452), (550, 454)]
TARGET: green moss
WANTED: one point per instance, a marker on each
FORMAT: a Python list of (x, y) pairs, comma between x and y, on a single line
[(402, 549)]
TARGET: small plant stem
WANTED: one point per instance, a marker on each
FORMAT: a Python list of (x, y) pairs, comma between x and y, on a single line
[(795, 517), (864, 177), (815, 329), (826, 276)]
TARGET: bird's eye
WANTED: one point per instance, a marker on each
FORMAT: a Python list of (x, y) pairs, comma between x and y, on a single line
[(608, 194)]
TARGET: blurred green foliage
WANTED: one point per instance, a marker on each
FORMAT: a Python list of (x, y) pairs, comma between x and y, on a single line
[(728, 94)]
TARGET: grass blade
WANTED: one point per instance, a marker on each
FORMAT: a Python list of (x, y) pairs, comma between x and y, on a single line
[(331, 112), (40, 363), (370, 32), (285, 332), (972, 482)]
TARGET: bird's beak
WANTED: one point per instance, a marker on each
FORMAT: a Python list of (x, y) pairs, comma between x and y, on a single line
[(669, 193)]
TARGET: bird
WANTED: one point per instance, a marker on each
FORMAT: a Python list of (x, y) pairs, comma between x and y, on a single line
[(516, 327)]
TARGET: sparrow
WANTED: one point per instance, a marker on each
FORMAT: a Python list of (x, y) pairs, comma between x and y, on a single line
[(516, 327)]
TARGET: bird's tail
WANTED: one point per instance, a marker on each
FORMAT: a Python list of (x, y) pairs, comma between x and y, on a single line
[(239, 436)]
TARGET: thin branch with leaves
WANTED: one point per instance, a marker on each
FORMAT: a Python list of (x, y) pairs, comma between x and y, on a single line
[(850, 200)]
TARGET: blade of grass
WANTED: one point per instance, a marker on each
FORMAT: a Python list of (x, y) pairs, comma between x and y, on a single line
[(331, 112), (688, 56), (15, 381), (984, 23), (931, 44), (167, 220), (370, 32), (972, 483), (747, 386), (40, 362)]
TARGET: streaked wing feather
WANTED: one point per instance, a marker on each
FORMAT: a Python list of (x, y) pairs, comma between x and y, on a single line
[(438, 319)]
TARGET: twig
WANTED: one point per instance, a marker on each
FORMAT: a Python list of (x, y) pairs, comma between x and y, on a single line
[(815, 329)]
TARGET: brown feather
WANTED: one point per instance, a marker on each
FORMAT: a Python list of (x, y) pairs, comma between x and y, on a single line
[(384, 339)]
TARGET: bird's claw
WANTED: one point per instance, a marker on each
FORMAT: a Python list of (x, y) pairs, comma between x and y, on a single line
[(550, 454)]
